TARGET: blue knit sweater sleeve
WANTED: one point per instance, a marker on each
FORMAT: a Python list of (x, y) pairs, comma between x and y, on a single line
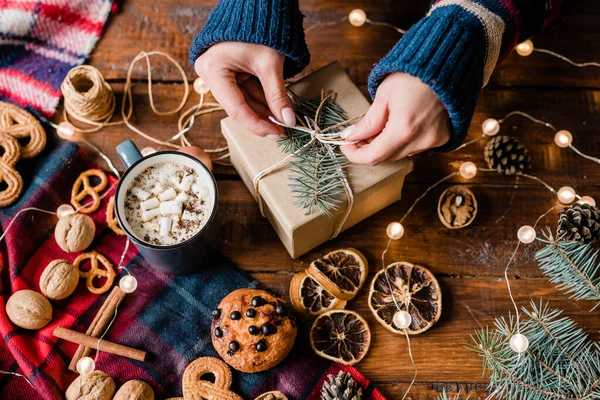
[(455, 48), (273, 23)]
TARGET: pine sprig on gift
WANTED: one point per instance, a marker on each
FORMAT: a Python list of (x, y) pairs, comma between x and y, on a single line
[(572, 266), (318, 169), (560, 363)]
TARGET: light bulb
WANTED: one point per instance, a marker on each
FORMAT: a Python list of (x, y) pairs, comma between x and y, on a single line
[(490, 127), (526, 234), (588, 200), (525, 48), (519, 343), (563, 138), (86, 366), (395, 230), (566, 194), (402, 319), (146, 151), (468, 170), (64, 209), (65, 130), (128, 283), (357, 17), (200, 86)]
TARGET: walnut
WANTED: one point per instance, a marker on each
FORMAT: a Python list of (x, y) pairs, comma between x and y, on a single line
[(75, 232), (29, 309), (95, 386), (59, 280), (457, 207), (272, 396), (134, 390)]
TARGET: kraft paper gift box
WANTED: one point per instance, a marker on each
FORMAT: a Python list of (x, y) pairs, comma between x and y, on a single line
[(374, 187)]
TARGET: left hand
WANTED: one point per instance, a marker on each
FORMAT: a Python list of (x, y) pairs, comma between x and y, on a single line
[(406, 117)]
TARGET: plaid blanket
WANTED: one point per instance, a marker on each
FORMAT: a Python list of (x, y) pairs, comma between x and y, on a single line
[(167, 316), (40, 41)]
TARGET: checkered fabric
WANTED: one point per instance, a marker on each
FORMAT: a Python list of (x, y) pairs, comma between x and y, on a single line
[(167, 316), (40, 41)]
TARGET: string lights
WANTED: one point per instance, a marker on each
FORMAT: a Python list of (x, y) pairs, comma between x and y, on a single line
[(357, 17), (526, 48)]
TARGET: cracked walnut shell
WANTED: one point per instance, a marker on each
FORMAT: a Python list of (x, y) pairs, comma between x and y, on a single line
[(457, 207), (74, 232)]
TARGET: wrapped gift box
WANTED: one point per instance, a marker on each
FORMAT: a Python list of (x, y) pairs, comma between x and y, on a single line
[(374, 187)]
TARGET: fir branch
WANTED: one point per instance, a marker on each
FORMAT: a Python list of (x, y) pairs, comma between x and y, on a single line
[(560, 363), (572, 266), (318, 170), (445, 396)]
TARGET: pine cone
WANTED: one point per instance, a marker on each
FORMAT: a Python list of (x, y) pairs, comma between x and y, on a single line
[(341, 387), (506, 155), (579, 223)]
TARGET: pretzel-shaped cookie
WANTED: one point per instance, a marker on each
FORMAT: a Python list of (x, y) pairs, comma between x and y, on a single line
[(83, 183), (20, 124), (111, 221), (95, 270), (8, 173), (194, 388)]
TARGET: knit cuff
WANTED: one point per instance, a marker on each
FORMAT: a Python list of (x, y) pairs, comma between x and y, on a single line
[(447, 51), (273, 23)]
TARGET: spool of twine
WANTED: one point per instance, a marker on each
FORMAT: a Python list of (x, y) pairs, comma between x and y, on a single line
[(88, 98)]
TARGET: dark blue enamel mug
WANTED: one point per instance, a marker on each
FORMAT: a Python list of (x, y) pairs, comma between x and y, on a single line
[(188, 256)]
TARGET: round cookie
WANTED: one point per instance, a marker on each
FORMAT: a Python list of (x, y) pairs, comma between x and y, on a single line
[(252, 330)]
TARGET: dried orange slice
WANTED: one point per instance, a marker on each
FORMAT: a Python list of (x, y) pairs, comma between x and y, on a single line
[(416, 291), (340, 335), (310, 299), (341, 272)]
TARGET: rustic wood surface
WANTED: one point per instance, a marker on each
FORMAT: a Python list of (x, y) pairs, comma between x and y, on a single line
[(469, 263)]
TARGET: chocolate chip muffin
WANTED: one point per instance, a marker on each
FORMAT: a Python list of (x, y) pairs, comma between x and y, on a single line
[(252, 330)]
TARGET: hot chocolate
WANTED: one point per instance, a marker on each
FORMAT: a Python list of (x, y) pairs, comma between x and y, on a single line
[(168, 203)]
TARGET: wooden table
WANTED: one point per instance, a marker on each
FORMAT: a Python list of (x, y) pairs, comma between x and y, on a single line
[(470, 262)]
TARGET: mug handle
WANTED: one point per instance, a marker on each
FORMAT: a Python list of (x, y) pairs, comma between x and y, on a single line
[(128, 153)]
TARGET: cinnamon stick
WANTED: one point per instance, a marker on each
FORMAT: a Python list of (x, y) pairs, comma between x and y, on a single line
[(106, 346), (99, 323)]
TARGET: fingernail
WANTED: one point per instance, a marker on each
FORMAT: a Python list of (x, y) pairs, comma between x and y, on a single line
[(349, 131), (273, 137), (289, 118)]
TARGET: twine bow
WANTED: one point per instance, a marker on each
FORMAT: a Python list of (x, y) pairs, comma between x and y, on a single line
[(326, 136)]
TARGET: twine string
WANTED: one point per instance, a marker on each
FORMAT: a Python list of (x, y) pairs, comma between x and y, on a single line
[(93, 105), (96, 105), (325, 136)]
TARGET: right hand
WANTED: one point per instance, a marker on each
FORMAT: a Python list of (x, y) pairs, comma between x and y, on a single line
[(247, 80)]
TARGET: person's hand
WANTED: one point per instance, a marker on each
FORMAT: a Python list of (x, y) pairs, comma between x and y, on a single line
[(247, 80), (406, 117)]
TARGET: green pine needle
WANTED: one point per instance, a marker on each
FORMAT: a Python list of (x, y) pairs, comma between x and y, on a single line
[(572, 266), (317, 173), (560, 363)]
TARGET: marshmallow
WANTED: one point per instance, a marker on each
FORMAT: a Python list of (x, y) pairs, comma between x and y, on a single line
[(165, 226), (200, 190), (140, 194), (170, 207), (186, 183), (181, 197), (168, 194), (149, 204), (189, 216), (158, 188), (148, 215)]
